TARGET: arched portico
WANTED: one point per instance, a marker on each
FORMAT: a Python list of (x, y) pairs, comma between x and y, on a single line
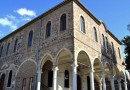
[(116, 78), (26, 75), (45, 66), (63, 63), (123, 81), (108, 74), (98, 74), (85, 71), (47, 75)]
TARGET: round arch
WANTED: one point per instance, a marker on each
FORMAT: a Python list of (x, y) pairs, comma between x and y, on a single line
[(122, 75), (45, 58), (26, 71), (123, 79), (64, 52), (97, 62), (29, 60), (84, 57), (47, 75), (97, 65)]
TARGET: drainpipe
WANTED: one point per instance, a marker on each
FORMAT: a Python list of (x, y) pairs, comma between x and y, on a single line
[(37, 78)]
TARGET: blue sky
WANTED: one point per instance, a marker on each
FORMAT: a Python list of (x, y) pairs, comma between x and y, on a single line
[(115, 13)]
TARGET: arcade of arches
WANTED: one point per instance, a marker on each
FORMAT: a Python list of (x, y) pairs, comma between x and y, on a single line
[(64, 73), (79, 74)]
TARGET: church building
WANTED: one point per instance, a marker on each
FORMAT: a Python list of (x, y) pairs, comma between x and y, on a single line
[(65, 48)]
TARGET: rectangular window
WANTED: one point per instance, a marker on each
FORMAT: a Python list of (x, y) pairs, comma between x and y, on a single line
[(24, 84)]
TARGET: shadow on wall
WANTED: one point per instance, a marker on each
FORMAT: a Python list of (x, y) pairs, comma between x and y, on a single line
[(109, 53)]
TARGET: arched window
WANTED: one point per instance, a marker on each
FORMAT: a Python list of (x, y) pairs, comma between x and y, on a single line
[(95, 35), (103, 40), (48, 29), (50, 78), (9, 79), (82, 24), (15, 45), (63, 22), (1, 51), (106, 42), (112, 46), (30, 38), (66, 79), (7, 50), (119, 52)]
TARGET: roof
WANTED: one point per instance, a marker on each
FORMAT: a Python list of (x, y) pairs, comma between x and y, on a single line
[(112, 35)]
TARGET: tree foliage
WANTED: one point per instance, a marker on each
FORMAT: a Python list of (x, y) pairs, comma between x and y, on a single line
[(126, 43)]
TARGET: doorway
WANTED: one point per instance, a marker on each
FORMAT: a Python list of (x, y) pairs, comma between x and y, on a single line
[(78, 82)]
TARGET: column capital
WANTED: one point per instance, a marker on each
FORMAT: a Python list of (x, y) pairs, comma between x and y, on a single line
[(91, 70), (74, 65), (55, 68), (125, 82)]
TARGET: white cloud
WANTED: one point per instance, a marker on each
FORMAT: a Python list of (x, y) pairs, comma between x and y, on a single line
[(11, 17), (26, 12), (12, 21), (7, 22)]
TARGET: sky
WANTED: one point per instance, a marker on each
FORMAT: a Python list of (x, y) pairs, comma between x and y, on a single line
[(15, 13)]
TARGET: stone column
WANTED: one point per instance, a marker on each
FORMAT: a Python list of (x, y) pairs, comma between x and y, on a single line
[(92, 80), (39, 80), (103, 80), (55, 69), (112, 83), (125, 84), (74, 82), (100, 84), (119, 84)]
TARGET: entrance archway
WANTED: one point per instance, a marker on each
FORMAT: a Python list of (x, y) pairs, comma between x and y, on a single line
[(79, 82), (2, 80), (107, 76), (122, 76), (47, 75), (116, 77), (84, 68), (26, 75), (64, 62), (98, 73)]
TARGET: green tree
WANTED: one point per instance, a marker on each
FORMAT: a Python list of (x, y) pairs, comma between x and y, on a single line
[(126, 43)]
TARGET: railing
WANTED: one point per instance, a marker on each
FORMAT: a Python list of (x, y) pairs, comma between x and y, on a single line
[(44, 87)]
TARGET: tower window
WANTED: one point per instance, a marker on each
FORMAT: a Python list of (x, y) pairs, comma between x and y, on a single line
[(30, 38), (63, 22), (9, 79), (95, 35), (1, 51), (15, 45), (82, 24), (103, 40), (48, 29), (7, 50)]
